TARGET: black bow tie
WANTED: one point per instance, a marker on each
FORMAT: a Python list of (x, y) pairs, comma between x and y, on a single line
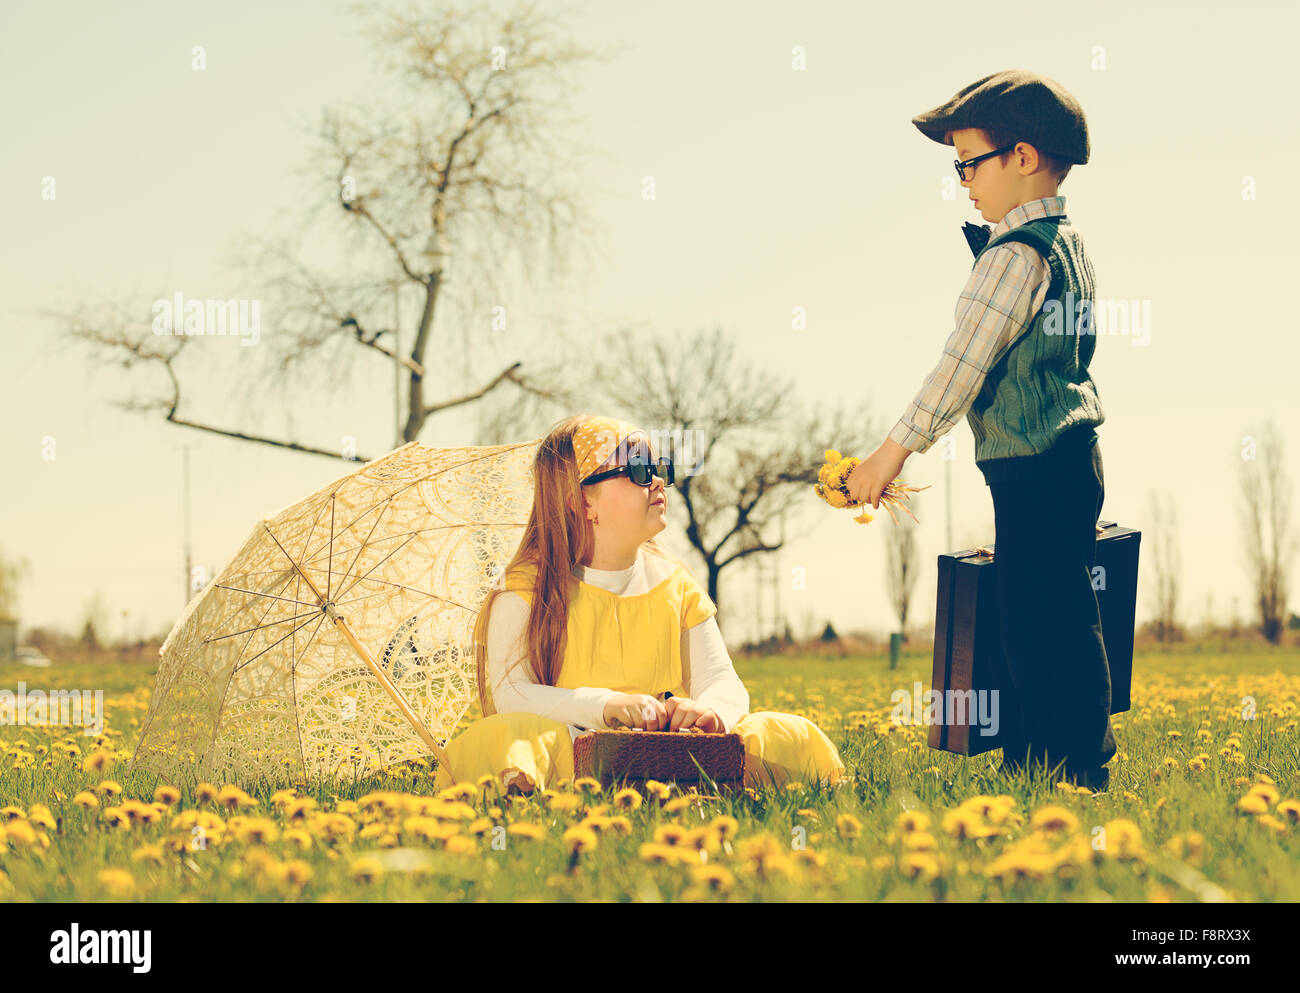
[(977, 236)]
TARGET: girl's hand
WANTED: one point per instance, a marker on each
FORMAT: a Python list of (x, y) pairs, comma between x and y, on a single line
[(686, 713), (635, 710)]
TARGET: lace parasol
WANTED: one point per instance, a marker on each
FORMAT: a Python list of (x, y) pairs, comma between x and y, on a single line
[(340, 637)]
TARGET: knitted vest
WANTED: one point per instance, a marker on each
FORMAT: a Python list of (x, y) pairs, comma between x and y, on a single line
[(1041, 387)]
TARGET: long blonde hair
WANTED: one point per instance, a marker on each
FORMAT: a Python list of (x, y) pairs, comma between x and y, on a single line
[(557, 537)]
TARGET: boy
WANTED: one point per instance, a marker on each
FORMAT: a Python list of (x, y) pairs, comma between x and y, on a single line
[(1017, 366)]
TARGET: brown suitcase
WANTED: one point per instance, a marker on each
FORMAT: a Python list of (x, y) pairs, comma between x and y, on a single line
[(624, 756), (968, 644)]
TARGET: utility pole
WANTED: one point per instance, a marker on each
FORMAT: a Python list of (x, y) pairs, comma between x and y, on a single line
[(397, 364)]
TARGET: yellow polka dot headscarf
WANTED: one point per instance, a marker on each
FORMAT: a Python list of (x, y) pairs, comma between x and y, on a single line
[(597, 439)]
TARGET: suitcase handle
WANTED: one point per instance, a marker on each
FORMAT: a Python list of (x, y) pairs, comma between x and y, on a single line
[(988, 550)]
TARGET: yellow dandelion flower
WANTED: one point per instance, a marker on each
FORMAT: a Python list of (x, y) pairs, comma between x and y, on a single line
[(658, 790), (808, 857), (21, 833), (920, 865), (459, 791), (40, 814), (716, 877), (117, 882), (848, 826), (297, 873), (205, 793), (524, 830), (460, 845), (1015, 865), (619, 825), (366, 869), (281, 797), (700, 839), (169, 795), (587, 784), (116, 817), (148, 853), (1272, 823), (1253, 803), (580, 839), (87, 800), (1268, 792), (724, 826), (912, 820), (669, 834), (919, 841), (658, 854), (564, 803), (1053, 819), (232, 797), (966, 824), (97, 761), (627, 799), (1291, 809), (256, 830), (109, 787), (1123, 839), (764, 855)]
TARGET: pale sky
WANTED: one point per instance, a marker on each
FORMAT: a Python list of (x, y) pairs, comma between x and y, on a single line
[(776, 188)]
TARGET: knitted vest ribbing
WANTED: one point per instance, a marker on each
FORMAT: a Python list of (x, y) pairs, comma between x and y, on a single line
[(1041, 386)]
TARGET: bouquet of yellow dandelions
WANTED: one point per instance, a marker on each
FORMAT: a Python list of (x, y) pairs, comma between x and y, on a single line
[(832, 481)]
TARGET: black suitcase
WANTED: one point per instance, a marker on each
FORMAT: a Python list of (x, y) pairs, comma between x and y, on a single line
[(968, 644)]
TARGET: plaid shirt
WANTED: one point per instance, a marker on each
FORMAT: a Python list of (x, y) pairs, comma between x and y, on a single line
[(1006, 289)]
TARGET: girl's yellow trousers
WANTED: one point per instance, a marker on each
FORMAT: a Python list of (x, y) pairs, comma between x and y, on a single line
[(525, 749)]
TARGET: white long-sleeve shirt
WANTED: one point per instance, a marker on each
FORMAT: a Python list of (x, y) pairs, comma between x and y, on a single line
[(708, 673)]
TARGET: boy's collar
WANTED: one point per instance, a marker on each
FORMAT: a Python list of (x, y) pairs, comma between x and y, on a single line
[(1032, 209)]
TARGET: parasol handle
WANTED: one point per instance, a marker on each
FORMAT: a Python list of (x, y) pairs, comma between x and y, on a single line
[(341, 623), (415, 722)]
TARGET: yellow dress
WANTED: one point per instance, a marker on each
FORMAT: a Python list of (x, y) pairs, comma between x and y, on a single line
[(630, 644)]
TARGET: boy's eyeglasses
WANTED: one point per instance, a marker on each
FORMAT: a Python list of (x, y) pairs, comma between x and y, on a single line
[(972, 163), (639, 471)]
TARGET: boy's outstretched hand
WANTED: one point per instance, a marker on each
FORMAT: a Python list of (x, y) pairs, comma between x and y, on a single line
[(868, 480)]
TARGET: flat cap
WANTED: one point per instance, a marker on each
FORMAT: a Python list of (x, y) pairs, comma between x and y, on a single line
[(1036, 109)]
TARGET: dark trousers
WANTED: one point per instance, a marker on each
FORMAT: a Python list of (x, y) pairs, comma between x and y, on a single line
[(1045, 510)]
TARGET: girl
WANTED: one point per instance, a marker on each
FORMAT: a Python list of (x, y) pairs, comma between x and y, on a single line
[(593, 622)]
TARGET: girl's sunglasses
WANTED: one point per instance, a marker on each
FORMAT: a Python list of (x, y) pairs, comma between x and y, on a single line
[(639, 470)]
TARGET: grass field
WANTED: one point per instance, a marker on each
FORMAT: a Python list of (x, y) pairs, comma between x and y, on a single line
[(1203, 805)]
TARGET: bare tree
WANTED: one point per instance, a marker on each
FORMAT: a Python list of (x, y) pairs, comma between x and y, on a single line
[(1266, 521), (467, 161), (12, 571), (94, 623), (747, 454), (902, 564), (1165, 564)]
